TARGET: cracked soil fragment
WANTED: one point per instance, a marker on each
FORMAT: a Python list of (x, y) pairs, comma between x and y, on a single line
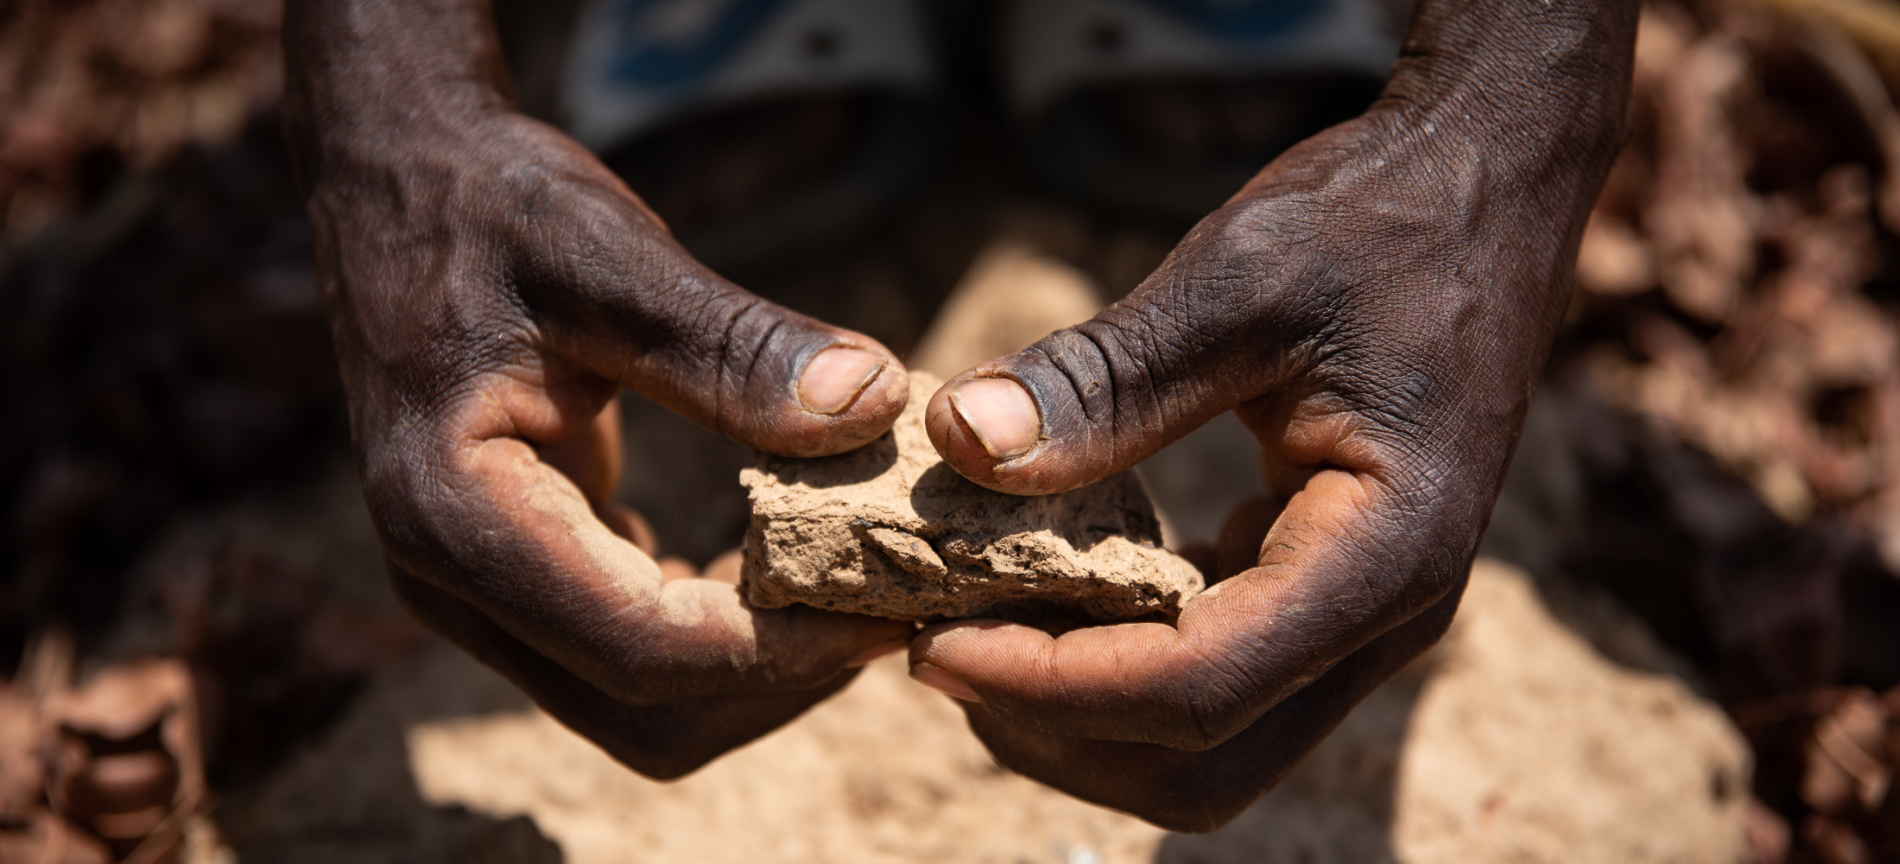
[(889, 530)]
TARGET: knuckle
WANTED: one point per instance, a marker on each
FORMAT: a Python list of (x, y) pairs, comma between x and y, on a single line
[(741, 351), (1246, 230), (1110, 386), (412, 500), (391, 479), (1218, 706), (1080, 364), (1192, 705)]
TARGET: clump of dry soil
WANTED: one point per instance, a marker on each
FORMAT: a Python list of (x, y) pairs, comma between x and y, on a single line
[(888, 529)]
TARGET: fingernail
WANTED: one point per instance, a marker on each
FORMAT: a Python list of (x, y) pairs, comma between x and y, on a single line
[(943, 682), (1000, 414), (881, 649), (834, 378)]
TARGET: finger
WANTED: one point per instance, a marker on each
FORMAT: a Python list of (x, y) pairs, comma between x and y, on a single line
[(661, 741), (1201, 791), (674, 568), (627, 524), (1195, 340), (617, 295), (725, 568), (1350, 558), (591, 456), (1246, 528), (468, 506)]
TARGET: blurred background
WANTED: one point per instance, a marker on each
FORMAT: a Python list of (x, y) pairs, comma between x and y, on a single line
[(190, 595)]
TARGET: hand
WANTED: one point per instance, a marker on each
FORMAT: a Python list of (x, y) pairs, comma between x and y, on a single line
[(1377, 306), (491, 287)]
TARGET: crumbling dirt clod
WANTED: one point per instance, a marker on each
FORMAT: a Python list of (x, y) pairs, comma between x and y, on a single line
[(890, 530)]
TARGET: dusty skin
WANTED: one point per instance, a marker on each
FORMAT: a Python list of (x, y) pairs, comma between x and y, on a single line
[(889, 530)]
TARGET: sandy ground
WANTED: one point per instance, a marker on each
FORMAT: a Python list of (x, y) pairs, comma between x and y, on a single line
[(1515, 740)]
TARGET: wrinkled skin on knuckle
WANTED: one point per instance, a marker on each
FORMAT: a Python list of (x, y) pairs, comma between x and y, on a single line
[(418, 303), (678, 333), (1202, 696), (1446, 512), (1076, 379), (753, 356), (427, 491), (396, 491), (563, 227), (1233, 300), (1270, 289), (790, 646), (1215, 709), (1392, 559), (1208, 694), (751, 376), (1195, 338)]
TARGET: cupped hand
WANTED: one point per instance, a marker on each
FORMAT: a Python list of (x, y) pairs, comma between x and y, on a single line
[(1376, 306), (491, 288)]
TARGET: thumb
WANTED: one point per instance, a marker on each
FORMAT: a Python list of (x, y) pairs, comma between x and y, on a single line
[(1225, 319), (1083, 403), (620, 298)]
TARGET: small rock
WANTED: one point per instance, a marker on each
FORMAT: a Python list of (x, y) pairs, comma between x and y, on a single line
[(890, 530)]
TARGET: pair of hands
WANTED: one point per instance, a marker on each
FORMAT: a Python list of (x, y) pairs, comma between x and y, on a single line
[(1376, 306)]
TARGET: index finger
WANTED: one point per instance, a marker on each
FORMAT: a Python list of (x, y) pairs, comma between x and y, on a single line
[(1201, 791), (1354, 554), (481, 516)]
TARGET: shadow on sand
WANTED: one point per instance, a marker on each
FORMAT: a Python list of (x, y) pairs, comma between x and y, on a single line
[(353, 797), (1336, 808)]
